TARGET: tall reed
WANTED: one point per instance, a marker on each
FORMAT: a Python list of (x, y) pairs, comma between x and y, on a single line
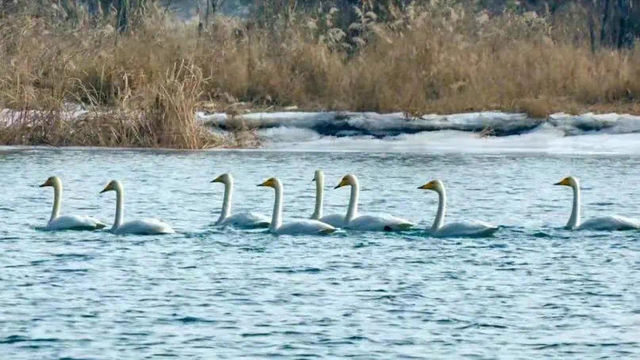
[(143, 88)]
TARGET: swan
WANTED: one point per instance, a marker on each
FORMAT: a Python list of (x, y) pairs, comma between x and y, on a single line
[(609, 223), (67, 222), (244, 220), (355, 221), (137, 227), (459, 229), (297, 227), (334, 220)]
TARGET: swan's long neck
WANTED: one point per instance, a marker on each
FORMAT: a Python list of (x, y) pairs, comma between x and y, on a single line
[(352, 212), (119, 207), (317, 212), (276, 219), (57, 199), (226, 203), (574, 220), (442, 210)]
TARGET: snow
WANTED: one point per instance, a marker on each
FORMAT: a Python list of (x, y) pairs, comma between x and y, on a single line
[(490, 131)]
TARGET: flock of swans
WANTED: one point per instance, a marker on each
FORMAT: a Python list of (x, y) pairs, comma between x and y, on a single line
[(317, 223)]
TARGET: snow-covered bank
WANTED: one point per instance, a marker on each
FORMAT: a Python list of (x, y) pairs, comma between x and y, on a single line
[(10, 117), (490, 132), (377, 125), (383, 125), (493, 132)]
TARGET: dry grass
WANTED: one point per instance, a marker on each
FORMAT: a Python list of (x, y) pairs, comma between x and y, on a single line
[(143, 89)]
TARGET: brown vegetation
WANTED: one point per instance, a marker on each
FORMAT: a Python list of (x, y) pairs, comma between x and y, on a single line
[(143, 88)]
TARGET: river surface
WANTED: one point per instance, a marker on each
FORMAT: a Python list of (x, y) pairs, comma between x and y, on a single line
[(533, 290)]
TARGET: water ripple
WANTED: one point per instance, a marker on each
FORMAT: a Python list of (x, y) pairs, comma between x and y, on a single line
[(534, 290)]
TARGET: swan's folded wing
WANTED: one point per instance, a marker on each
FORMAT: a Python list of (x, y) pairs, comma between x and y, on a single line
[(74, 222), (246, 220), (610, 223), (472, 228), (144, 227), (382, 222), (304, 226)]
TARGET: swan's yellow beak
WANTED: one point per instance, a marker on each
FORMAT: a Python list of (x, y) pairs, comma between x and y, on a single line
[(49, 182), (218, 179), (428, 186), (269, 183), (109, 187), (343, 182), (564, 182)]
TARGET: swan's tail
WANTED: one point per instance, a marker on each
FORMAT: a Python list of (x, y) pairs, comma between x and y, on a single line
[(488, 232), (328, 231), (262, 224), (492, 230)]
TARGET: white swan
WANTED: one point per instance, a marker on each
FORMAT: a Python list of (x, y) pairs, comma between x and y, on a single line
[(355, 221), (244, 220), (67, 222), (472, 228), (137, 227), (297, 227), (614, 222), (334, 220)]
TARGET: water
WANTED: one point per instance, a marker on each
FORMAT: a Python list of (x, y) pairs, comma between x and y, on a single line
[(533, 290)]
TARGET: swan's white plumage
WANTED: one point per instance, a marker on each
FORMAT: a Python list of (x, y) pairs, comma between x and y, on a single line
[(382, 222), (355, 221), (243, 220), (610, 223), (334, 220), (296, 227), (602, 223), (473, 228), (67, 222), (143, 227), (136, 227), (304, 226), (74, 222)]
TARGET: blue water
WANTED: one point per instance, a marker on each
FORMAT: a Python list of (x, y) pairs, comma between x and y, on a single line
[(533, 290)]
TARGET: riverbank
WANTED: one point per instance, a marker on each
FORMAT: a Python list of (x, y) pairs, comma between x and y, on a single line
[(480, 132), (491, 132), (144, 88), (74, 125)]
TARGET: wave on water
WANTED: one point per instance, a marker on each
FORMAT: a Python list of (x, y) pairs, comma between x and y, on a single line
[(468, 132)]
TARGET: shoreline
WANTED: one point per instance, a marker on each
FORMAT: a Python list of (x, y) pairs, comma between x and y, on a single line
[(491, 123), (492, 132)]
